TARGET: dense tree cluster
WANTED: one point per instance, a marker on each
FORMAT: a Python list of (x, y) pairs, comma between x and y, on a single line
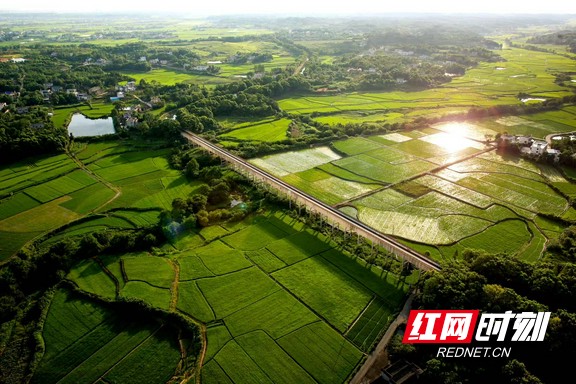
[(499, 283), (30, 134)]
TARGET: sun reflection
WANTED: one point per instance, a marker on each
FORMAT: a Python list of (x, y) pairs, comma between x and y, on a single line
[(450, 142)]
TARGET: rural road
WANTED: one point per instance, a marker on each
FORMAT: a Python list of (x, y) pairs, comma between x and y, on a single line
[(369, 368)]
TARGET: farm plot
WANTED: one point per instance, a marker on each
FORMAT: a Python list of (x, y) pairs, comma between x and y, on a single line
[(221, 259), (267, 131), (371, 323), (361, 117), (466, 130), (430, 230), (527, 194), (355, 146), (507, 236), (89, 277), (291, 162), (88, 199), (272, 359), (368, 166), (246, 287), (255, 236), (192, 267), (154, 296), (192, 302), (325, 288), (341, 173), (331, 190), (265, 259), (480, 165), (322, 352), (153, 270), (40, 218), (15, 204), (22, 175), (60, 186), (299, 246), (84, 341), (129, 164), (277, 314), (456, 191)]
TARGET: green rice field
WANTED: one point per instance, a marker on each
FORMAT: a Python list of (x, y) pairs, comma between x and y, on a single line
[(265, 130), (42, 194), (87, 342), (440, 189), (294, 299)]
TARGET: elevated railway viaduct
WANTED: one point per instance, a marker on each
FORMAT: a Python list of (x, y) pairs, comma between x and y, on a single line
[(331, 215)]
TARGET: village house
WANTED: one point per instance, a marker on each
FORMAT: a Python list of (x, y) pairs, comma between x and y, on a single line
[(2, 106), (538, 147), (131, 122), (22, 110), (38, 125), (200, 68), (46, 94), (524, 140), (554, 154)]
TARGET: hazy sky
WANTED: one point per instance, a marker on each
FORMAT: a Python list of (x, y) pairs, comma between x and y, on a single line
[(294, 7)]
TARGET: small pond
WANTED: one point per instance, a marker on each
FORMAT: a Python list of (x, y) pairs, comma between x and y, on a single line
[(81, 126)]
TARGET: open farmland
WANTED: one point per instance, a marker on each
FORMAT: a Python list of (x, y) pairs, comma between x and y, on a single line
[(439, 189), (86, 341), (264, 130), (295, 296), (43, 194), (486, 85)]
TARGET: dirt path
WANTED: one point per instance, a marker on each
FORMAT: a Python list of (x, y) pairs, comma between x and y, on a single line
[(114, 188), (300, 69), (370, 370), (174, 287)]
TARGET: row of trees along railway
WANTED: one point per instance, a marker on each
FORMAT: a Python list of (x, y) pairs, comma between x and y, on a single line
[(331, 215)]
